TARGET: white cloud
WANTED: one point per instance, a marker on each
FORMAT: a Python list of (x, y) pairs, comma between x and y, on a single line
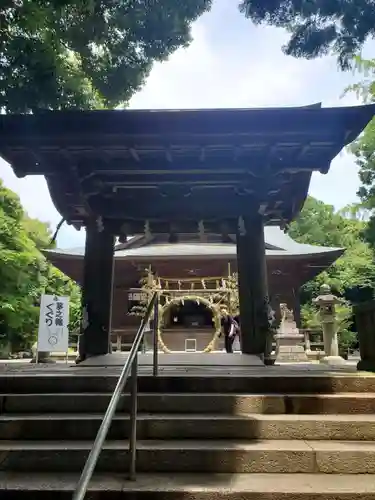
[(229, 64), (35, 198), (340, 185), (206, 76)]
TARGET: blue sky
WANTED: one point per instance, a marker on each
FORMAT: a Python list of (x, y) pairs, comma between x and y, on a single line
[(230, 63)]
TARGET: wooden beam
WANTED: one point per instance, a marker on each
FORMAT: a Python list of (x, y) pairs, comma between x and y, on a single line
[(251, 164), (195, 207), (128, 165), (185, 226)]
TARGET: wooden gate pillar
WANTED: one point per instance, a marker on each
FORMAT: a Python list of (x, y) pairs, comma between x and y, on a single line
[(252, 285), (97, 291)]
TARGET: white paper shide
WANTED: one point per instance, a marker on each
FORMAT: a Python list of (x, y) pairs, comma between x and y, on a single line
[(53, 333)]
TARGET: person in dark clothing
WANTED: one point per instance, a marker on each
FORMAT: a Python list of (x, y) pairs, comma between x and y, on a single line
[(238, 328), (230, 329)]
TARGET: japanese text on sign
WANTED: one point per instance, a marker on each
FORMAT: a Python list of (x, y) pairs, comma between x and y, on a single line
[(53, 331)]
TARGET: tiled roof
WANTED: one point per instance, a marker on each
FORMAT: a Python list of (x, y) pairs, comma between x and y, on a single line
[(279, 243)]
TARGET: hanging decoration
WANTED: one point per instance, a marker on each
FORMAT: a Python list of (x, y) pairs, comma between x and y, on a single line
[(211, 292), (209, 283), (216, 316)]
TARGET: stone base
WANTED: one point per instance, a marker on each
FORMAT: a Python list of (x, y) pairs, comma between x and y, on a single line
[(176, 359), (292, 354), (315, 355), (366, 365), (44, 360), (333, 361)]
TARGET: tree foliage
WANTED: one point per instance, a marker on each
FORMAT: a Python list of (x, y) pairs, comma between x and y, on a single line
[(350, 276), (60, 54), (25, 274), (320, 224), (39, 232), (317, 27), (364, 147)]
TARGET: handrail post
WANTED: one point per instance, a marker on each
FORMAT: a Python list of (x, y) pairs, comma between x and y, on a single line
[(130, 368), (133, 420), (155, 337)]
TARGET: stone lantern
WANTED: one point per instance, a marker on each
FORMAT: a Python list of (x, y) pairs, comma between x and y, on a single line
[(327, 302)]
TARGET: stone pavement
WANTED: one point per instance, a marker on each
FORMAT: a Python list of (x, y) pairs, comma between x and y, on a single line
[(259, 486), (24, 367)]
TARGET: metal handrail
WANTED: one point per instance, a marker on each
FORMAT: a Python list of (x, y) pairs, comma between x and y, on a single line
[(131, 366)]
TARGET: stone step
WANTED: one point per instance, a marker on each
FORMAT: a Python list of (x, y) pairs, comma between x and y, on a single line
[(264, 381), (279, 456), (191, 426), (192, 487), (218, 403)]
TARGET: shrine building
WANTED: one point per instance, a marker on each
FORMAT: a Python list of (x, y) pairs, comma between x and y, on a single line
[(226, 172), (191, 270)]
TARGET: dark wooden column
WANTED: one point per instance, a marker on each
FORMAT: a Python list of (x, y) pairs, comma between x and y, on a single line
[(252, 284), (97, 292)]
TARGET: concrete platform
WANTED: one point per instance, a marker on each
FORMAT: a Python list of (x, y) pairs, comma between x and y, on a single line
[(183, 359)]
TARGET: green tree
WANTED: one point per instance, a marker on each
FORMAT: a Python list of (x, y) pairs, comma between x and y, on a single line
[(88, 53), (39, 232), (25, 274), (320, 224), (317, 27), (364, 88), (364, 147)]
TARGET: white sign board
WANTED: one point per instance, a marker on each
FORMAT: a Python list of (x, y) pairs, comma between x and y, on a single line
[(53, 333), (136, 296), (190, 345)]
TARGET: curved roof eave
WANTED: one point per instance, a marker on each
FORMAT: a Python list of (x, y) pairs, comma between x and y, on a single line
[(190, 251), (275, 239)]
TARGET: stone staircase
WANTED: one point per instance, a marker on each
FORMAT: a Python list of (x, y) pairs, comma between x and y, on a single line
[(199, 437)]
